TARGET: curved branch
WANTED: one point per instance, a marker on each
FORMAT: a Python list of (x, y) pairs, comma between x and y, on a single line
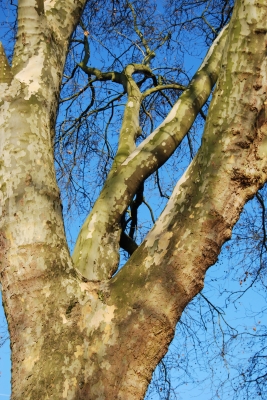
[(113, 76), (123, 183), (148, 92), (127, 243)]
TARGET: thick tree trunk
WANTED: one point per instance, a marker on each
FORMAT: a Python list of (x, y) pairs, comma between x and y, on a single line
[(77, 339)]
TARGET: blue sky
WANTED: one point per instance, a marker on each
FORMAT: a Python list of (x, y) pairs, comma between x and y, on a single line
[(5, 364)]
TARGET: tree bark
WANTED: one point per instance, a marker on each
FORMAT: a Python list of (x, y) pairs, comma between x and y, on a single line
[(125, 179), (72, 338)]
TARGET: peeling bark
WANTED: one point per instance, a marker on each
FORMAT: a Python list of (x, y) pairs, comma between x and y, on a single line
[(5, 69), (101, 261), (101, 339)]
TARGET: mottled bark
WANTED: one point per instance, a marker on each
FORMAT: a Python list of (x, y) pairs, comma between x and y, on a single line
[(77, 339), (96, 250), (5, 69)]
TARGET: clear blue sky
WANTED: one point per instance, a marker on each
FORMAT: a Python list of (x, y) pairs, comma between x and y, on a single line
[(5, 365)]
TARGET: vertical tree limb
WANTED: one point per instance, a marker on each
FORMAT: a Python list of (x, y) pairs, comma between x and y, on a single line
[(6, 75)]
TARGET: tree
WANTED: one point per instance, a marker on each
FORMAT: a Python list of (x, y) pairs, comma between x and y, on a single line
[(79, 328)]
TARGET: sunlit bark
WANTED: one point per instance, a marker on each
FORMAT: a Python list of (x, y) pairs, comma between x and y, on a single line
[(78, 333), (96, 250)]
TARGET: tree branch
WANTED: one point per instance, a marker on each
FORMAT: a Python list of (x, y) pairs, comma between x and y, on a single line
[(113, 76), (123, 183), (130, 129), (6, 75), (168, 268), (148, 92), (149, 53), (127, 243)]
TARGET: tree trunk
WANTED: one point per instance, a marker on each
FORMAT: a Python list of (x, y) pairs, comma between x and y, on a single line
[(72, 338)]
